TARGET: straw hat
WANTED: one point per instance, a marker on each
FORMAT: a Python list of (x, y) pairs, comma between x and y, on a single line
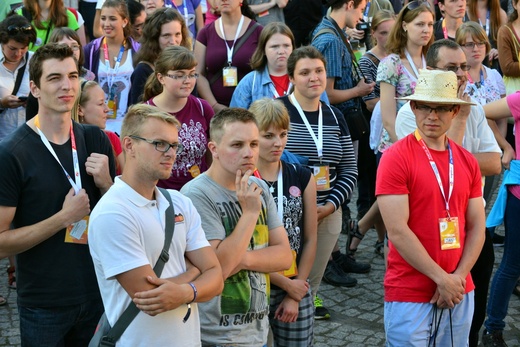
[(438, 87)]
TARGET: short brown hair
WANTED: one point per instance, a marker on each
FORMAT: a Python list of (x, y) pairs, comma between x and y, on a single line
[(226, 116), (58, 51), (302, 53), (139, 113)]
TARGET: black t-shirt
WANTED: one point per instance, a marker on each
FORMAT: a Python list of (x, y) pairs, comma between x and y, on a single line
[(52, 273)]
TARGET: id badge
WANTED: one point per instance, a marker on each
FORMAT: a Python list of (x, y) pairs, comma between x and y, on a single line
[(293, 270), (194, 171), (230, 76), (321, 176), (450, 234), (78, 232)]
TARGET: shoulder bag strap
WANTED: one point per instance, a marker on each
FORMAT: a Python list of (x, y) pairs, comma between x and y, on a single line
[(20, 74), (131, 312), (239, 44), (515, 40)]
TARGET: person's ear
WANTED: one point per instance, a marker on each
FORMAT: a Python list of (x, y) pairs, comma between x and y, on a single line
[(35, 91), (212, 147)]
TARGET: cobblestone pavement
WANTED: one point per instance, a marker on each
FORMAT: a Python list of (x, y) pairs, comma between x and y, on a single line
[(357, 313)]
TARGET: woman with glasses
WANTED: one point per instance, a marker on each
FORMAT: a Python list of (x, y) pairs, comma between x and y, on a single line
[(169, 88), (16, 33), (409, 40), (110, 58), (490, 17), (484, 84), (165, 27)]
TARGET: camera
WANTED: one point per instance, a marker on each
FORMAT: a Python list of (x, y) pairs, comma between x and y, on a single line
[(364, 26)]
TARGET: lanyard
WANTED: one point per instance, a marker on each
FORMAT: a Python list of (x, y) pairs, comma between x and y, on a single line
[(481, 82), (170, 4), (487, 24), (279, 189), (367, 9), (436, 170), (317, 140), (444, 30), (77, 183), (412, 64), (111, 73), (275, 92), (230, 50)]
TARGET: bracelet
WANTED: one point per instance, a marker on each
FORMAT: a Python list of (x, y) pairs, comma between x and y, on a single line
[(194, 292), (214, 104)]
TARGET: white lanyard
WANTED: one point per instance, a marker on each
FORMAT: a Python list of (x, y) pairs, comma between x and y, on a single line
[(412, 64), (170, 4), (317, 140), (487, 24), (230, 50), (279, 193), (111, 73), (275, 93), (436, 171), (77, 184)]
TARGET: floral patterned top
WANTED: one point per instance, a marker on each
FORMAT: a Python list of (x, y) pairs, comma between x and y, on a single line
[(392, 71), (490, 90)]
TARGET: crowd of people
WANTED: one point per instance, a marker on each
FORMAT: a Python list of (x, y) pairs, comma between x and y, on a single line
[(240, 129)]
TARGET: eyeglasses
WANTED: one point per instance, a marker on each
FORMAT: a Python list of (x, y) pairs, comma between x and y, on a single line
[(74, 47), (13, 29), (183, 77), (464, 67), (471, 45), (415, 4), (439, 110), (160, 146)]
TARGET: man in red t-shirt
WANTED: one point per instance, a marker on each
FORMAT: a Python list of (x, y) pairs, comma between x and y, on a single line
[(430, 195)]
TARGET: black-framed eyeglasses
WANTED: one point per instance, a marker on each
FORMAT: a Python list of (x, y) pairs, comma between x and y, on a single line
[(13, 29), (161, 146), (463, 67), (193, 76), (415, 4), (471, 45), (440, 110)]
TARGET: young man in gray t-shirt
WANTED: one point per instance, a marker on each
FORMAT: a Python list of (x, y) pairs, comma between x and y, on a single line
[(241, 223)]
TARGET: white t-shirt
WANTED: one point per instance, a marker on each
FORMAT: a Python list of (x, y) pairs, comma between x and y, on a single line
[(100, 4), (122, 83), (126, 231)]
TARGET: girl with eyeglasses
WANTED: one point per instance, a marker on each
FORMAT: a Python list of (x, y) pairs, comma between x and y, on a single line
[(397, 74), (110, 58), (490, 17), (169, 88), (484, 84), (92, 109), (165, 27)]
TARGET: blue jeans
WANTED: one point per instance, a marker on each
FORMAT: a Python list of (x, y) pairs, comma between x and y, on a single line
[(415, 324), (509, 270), (60, 326)]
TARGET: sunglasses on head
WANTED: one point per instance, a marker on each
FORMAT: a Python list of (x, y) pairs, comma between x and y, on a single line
[(415, 4), (13, 29)]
